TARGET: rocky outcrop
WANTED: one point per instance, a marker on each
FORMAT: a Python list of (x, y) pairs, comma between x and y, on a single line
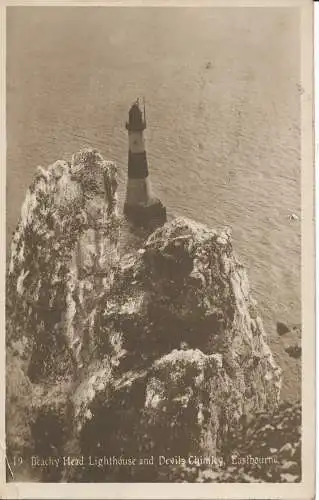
[(292, 336), (275, 440), (294, 350), (264, 449), (158, 352), (64, 246), (191, 355), (63, 254)]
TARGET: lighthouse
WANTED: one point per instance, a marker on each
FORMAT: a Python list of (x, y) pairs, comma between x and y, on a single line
[(140, 207)]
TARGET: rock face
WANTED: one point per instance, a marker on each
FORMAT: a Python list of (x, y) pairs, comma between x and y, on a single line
[(156, 353), (62, 255), (65, 245)]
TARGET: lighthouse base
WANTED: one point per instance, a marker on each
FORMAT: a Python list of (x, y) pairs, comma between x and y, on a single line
[(152, 215)]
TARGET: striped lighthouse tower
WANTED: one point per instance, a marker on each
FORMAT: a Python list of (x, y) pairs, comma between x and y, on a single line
[(140, 207)]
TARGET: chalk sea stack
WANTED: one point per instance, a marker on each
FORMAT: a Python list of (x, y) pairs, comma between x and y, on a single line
[(141, 207), (160, 351)]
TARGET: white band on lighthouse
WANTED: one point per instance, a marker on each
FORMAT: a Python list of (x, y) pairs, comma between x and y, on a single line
[(138, 192), (136, 142)]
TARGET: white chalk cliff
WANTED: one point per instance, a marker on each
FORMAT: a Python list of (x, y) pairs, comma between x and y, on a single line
[(160, 351)]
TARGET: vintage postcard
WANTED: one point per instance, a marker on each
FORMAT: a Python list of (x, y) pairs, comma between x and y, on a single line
[(158, 291)]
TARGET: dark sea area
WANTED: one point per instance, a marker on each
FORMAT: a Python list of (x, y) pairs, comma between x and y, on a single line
[(223, 107)]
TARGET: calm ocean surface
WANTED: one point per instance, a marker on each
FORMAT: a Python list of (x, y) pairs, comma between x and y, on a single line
[(223, 141)]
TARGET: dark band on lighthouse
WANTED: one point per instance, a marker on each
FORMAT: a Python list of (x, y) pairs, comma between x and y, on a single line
[(137, 165)]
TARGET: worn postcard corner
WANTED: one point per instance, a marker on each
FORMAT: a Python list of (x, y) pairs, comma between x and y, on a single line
[(158, 262)]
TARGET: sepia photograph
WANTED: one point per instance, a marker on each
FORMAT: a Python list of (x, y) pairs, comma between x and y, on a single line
[(154, 245)]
